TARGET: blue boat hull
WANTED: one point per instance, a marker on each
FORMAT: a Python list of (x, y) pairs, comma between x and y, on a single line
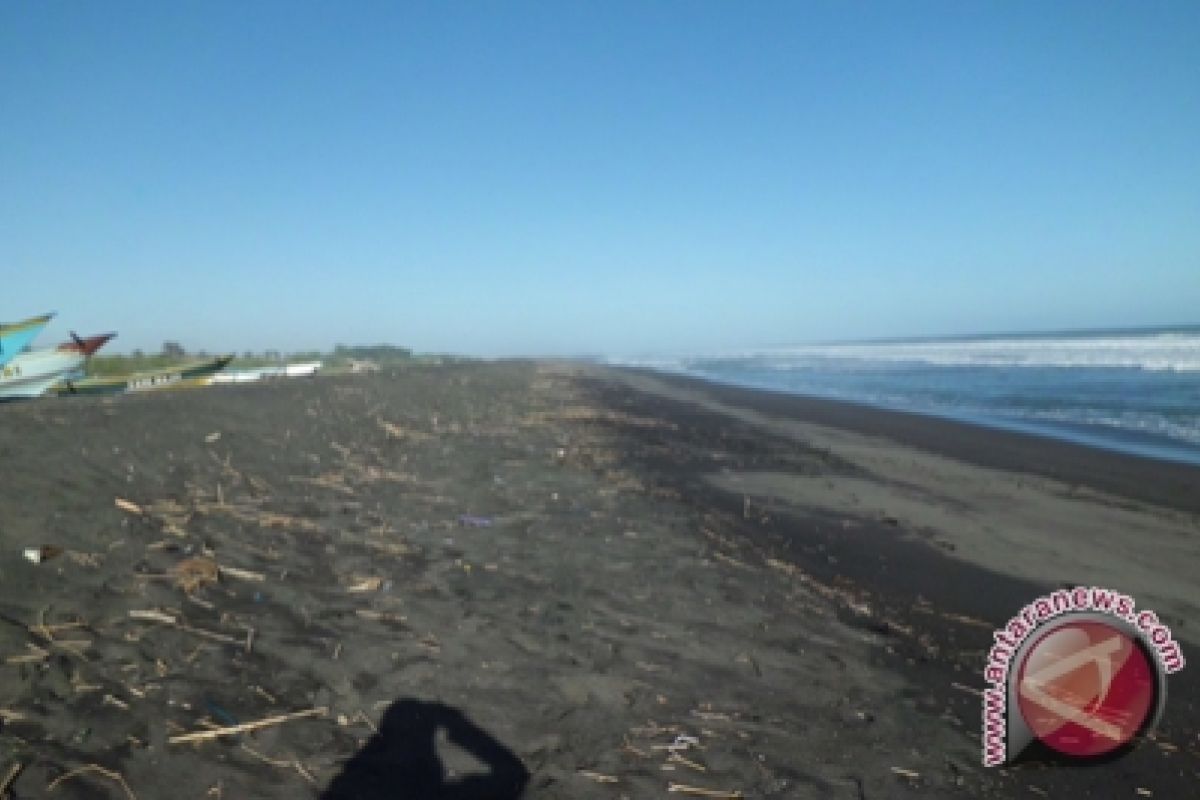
[(16, 337)]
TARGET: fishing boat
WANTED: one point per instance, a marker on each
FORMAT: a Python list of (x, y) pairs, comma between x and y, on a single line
[(16, 336), (33, 373), (176, 377), (301, 369)]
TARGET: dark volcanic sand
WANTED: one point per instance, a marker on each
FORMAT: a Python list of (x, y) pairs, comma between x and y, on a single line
[(659, 562)]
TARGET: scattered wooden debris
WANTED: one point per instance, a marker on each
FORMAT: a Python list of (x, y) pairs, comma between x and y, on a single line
[(274, 762), (711, 716), (362, 717), (166, 619), (10, 776), (733, 562), (674, 756), (242, 574), (195, 573), (112, 700), (394, 431), (110, 774), (216, 733), (380, 616), (36, 654), (682, 742), (599, 777), (589, 414), (334, 481), (128, 505), (370, 584), (633, 751), (960, 618), (172, 515), (281, 763), (303, 772), (696, 791)]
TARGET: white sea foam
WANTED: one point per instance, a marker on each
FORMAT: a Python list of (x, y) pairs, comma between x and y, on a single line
[(1177, 352), (1149, 390), (1149, 423)]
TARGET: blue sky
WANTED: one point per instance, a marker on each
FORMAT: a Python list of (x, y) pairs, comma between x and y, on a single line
[(565, 177)]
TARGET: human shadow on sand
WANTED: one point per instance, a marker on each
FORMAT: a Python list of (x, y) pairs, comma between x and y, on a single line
[(401, 760)]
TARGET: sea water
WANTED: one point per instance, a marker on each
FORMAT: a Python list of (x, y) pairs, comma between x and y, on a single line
[(1132, 391)]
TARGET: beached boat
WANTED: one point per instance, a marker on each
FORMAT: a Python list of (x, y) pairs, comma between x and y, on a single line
[(297, 370), (177, 377), (16, 336), (33, 373)]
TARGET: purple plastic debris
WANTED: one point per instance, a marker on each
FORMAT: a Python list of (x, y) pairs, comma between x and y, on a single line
[(469, 521)]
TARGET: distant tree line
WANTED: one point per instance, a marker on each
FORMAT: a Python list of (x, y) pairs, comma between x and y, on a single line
[(375, 352), (173, 352)]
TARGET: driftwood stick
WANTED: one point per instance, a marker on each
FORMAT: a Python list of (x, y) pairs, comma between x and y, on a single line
[(599, 777), (112, 776), (167, 619), (696, 791), (267, 759), (244, 574), (201, 736), (128, 506), (36, 654), (10, 776), (686, 762)]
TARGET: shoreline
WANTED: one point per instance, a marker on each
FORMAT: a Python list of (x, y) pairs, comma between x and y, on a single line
[(1177, 481), (1096, 437), (1040, 511)]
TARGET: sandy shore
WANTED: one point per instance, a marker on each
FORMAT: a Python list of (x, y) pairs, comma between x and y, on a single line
[(594, 583)]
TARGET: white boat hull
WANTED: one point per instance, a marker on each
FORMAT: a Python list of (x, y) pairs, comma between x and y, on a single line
[(32, 374), (300, 370)]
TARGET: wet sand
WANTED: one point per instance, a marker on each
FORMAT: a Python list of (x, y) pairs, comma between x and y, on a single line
[(596, 583)]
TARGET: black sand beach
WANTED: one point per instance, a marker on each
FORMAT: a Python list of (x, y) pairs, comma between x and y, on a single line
[(567, 580)]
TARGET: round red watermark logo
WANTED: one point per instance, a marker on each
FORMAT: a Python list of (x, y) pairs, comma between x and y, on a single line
[(1087, 688)]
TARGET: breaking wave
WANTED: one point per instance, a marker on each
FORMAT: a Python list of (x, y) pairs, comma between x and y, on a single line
[(1174, 352), (1137, 392)]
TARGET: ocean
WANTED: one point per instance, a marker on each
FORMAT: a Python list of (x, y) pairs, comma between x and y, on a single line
[(1135, 391)]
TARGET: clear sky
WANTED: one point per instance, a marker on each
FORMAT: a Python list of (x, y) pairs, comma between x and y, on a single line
[(602, 177)]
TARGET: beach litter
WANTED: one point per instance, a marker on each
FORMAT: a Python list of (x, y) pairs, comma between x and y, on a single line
[(37, 555), (678, 759), (34, 655), (682, 742), (195, 573), (127, 505), (162, 618), (599, 777), (471, 521), (10, 776), (696, 791), (243, 574), (108, 773), (245, 727), (366, 585)]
